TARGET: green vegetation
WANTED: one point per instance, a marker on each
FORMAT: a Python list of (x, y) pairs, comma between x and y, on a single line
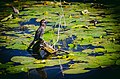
[(102, 38)]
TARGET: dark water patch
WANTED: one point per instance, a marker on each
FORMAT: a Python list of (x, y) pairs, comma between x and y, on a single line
[(96, 54), (4, 34), (2, 41), (97, 73), (73, 21), (51, 23), (96, 37), (37, 15), (20, 16), (98, 6), (55, 72), (23, 9), (32, 21), (92, 15), (107, 21), (109, 32), (105, 73), (7, 54), (100, 26), (103, 14), (78, 61), (83, 47), (25, 31), (1, 25), (6, 28), (117, 40), (78, 48), (64, 43), (21, 75)]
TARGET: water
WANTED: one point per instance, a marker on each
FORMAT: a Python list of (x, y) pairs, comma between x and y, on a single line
[(32, 21), (53, 72), (7, 54), (78, 48)]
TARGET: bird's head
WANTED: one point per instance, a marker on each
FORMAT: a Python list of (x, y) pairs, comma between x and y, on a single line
[(43, 23)]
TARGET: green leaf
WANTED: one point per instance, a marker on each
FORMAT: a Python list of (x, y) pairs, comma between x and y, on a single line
[(23, 59)]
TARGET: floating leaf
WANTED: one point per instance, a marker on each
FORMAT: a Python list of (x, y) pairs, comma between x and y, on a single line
[(75, 71), (118, 62), (104, 61), (93, 65), (88, 51), (23, 59), (78, 65), (39, 61), (17, 69), (71, 45), (99, 50), (6, 65), (23, 68), (111, 47), (56, 62), (32, 66)]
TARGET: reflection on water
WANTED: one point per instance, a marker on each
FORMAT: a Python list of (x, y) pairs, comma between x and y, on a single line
[(38, 73), (53, 72)]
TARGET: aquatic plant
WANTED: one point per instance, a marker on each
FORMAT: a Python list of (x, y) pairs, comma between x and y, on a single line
[(56, 62), (104, 34), (23, 59), (118, 62), (75, 71)]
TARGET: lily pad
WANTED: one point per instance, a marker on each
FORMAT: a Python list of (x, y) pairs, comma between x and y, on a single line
[(88, 51), (99, 50), (104, 61), (111, 47), (118, 62), (23, 68), (17, 69), (75, 71), (6, 65), (56, 62), (71, 46), (78, 65), (33, 66), (23, 59)]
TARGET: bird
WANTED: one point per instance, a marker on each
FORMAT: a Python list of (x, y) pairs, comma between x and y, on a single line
[(95, 21), (15, 10)]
